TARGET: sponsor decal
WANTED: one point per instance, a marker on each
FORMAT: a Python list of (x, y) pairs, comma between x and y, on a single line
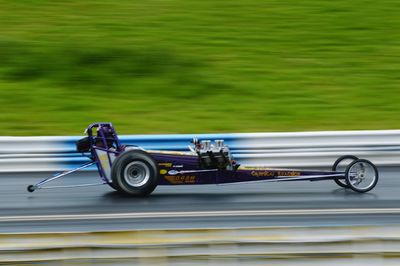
[(173, 172), (274, 173), (163, 171), (287, 173), (181, 179), (262, 173), (165, 164)]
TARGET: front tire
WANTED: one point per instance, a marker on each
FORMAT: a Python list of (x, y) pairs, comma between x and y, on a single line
[(362, 176), (337, 168), (135, 173)]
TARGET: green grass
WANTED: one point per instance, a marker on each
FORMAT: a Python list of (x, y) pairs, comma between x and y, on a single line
[(185, 66)]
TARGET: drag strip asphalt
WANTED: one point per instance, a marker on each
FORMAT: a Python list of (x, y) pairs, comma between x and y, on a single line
[(248, 205)]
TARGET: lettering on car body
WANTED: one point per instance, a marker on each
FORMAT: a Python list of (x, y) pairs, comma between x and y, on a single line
[(274, 173), (165, 164), (262, 173), (181, 179)]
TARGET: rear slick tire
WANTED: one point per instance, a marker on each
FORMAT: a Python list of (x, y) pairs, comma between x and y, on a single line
[(135, 173)]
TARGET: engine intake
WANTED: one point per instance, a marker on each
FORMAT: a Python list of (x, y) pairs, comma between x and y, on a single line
[(214, 156)]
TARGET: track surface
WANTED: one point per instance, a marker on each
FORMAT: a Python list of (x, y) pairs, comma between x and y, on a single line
[(246, 205)]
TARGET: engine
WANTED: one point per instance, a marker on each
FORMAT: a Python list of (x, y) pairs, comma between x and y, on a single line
[(213, 155)]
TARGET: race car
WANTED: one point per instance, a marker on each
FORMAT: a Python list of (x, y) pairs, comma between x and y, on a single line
[(137, 172)]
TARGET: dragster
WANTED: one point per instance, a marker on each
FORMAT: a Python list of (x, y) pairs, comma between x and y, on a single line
[(134, 171)]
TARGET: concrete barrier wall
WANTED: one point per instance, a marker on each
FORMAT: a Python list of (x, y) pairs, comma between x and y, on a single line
[(298, 149)]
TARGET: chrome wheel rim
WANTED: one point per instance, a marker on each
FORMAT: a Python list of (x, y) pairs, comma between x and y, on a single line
[(362, 175), (137, 174)]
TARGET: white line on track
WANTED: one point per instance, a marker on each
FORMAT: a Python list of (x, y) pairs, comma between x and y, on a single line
[(133, 215)]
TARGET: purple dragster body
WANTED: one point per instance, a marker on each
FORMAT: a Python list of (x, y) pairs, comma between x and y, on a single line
[(134, 171)]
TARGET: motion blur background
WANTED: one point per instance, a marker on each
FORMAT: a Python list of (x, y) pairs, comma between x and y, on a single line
[(200, 66), (184, 66)]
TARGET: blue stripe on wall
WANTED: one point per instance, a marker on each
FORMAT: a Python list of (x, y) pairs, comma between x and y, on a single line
[(149, 142)]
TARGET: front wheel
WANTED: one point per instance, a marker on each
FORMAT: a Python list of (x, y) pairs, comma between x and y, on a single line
[(135, 173), (340, 165), (362, 176)]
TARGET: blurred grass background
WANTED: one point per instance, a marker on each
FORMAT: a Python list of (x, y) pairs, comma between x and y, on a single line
[(186, 66)]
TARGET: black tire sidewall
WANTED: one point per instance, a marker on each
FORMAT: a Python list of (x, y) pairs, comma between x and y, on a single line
[(112, 186), (348, 177), (335, 165), (117, 173)]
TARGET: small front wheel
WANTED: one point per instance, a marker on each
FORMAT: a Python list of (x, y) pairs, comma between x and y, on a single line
[(31, 188), (135, 173), (362, 175), (340, 165)]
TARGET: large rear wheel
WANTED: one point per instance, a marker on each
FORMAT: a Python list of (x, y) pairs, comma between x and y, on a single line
[(135, 173), (340, 165)]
